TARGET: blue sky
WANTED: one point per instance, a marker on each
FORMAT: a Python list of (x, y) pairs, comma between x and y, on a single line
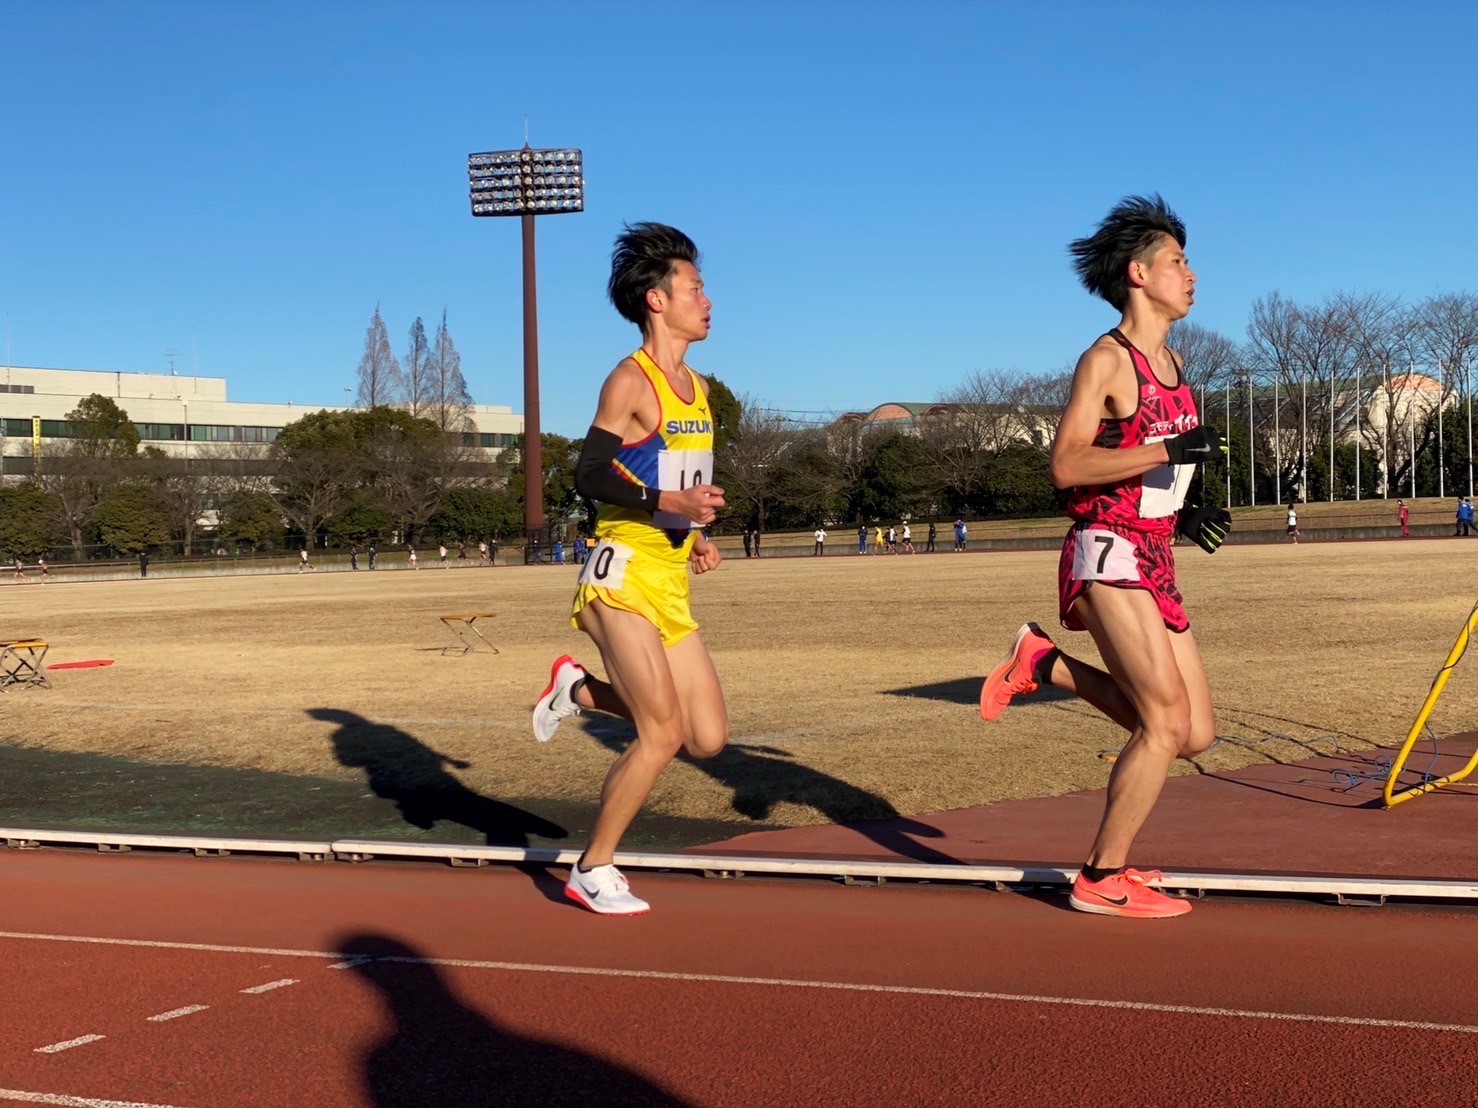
[(882, 192)]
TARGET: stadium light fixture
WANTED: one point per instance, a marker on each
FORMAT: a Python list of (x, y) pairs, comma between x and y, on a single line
[(527, 183)]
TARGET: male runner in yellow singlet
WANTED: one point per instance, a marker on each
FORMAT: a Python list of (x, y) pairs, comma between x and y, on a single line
[(648, 461)]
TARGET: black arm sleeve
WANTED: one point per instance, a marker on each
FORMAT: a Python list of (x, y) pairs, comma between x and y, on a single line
[(596, 480)]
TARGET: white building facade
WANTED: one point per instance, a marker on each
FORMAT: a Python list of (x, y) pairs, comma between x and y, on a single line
[(173, 413)]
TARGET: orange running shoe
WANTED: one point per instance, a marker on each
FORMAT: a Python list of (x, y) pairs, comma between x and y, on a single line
[(1126, 893), (1014, 674)]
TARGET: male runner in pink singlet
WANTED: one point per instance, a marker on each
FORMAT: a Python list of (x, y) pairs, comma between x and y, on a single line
[(1127, 446)]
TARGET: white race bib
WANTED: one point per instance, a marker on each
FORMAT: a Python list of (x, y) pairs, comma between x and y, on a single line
[(1103, 556), (678, 470), (606, 566), (1163, 489)]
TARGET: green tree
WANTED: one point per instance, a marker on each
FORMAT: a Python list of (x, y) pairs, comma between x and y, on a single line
[(560, 456), (899, 481), (250, 518), (479, 512), (133, 517), (1017, 483), (28, 521), (101, 429), (728, 414)]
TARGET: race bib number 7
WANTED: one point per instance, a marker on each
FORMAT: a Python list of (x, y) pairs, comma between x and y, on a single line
[(678, 470), (1103, 556)]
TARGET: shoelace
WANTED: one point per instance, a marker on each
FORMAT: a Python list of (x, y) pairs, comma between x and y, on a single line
[(1142, 876)]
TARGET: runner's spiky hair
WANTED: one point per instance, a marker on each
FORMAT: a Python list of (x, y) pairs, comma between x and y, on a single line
[(643, 260), (1131, 232)]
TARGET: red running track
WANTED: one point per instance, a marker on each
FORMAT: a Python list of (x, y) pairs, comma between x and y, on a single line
[(224, 983)]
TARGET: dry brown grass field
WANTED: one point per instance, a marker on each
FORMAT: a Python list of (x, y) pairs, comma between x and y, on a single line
[(851, 681)]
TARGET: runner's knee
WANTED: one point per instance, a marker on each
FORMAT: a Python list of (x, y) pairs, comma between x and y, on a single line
[(707, 741)]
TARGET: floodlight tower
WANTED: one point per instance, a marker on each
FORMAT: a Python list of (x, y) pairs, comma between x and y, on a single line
[(527, 183)]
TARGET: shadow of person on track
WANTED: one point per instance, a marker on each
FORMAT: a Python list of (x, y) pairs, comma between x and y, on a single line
[(441, 1051), (966, 690), (401, 768), (763, 776)]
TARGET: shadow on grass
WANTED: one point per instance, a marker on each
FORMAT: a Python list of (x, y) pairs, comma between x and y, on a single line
[(441, 1051), (763, 776), (966, 690), (401, 768)]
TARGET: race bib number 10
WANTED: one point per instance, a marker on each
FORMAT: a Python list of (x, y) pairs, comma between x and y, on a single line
[(606, 566), (678, 470), (1103, 556)]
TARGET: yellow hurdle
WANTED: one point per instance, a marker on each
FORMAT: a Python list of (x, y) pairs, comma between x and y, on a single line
[(1392, 797)]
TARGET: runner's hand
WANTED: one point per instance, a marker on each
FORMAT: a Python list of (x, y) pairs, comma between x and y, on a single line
[(1206, 527), (700, 503), (1196, 446), (704, 556)]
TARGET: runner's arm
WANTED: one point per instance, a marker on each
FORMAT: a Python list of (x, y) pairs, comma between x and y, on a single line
[(1075, 460)]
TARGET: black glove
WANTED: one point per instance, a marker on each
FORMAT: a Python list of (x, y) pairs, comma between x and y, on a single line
[(1195, 447), (1206, 527)]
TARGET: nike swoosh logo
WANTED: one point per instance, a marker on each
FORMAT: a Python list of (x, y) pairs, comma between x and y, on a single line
[(1120, 901)]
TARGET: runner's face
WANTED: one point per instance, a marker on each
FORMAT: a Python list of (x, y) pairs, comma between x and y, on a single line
[(1168, 279), (686, 310)]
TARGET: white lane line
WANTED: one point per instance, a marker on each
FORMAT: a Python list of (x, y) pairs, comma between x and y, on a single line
[(73, 1101), (187, 1010), (57, 1048), (781, 982), (270, 985)]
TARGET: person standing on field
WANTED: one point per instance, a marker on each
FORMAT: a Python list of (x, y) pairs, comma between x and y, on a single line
[(1292, 523), (1402, 515), (820, 543), (647, 461), (1126, 448)]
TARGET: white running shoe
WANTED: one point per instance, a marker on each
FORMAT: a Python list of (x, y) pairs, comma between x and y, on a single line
[(602, 889), (557, 701)]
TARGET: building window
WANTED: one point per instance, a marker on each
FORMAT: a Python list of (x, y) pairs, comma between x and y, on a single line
[(56, 429), (258, 434), (207, 432), (18, 427)]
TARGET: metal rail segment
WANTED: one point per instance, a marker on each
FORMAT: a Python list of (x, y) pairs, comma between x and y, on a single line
[(1352, 889)]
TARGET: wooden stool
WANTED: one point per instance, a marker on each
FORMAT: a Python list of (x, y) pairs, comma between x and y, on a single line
[(23, 662), (468, 634)]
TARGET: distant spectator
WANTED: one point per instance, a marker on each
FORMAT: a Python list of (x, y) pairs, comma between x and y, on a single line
[(143, 563), (1402, 515), (929, 543), (820, 542), (1464, 517), (756, 542), (582, 550), (862, 538), (959, 534), (748, 543), (353, 557), (373, 554)]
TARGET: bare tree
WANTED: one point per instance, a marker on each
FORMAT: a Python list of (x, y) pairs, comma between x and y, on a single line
[(972, 424), (1380, 333), (750, 465), (418, 390), (449, 402), (1209, 358), (381, 382)]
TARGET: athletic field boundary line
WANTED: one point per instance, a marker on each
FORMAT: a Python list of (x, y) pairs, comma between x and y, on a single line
[(772, 982), (73, 1101), (1363, 889)]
